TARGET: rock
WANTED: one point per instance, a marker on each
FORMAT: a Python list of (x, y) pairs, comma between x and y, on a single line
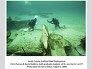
[(71, 51), (83, 43), (45, 36), (30, 44), (53, 43), (81, 48), (8, 34)]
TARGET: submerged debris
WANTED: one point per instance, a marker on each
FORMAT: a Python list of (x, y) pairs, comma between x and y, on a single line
[(49, 45), (8, 34), (56, 45), (10, 23), (83, 43)]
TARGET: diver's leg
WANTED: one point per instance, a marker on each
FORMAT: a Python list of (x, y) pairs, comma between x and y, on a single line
[(58, 26), (29, 28), (32, 28)]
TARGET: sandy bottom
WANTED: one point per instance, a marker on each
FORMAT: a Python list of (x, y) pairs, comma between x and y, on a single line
[(74, 31)]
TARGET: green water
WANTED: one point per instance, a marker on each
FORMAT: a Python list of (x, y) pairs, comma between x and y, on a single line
[(71, 14)]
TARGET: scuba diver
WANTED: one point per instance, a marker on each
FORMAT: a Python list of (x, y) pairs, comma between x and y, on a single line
[(32, 23), (55, 22)]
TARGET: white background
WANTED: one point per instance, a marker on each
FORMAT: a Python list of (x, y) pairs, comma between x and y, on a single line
[(21, 59), (72, 59)]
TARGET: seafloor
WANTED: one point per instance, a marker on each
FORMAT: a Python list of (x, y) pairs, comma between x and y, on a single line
[(28, 43)]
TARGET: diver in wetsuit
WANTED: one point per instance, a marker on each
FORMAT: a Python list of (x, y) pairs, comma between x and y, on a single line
[(55, 22), (32, 24)]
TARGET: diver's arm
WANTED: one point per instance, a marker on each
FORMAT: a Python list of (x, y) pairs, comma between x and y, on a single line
[(50, 22)]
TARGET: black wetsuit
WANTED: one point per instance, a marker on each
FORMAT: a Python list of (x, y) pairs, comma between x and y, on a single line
[(55, 22), (32, 23)]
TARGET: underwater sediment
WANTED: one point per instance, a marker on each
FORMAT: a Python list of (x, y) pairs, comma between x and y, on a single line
[(43, 43)]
